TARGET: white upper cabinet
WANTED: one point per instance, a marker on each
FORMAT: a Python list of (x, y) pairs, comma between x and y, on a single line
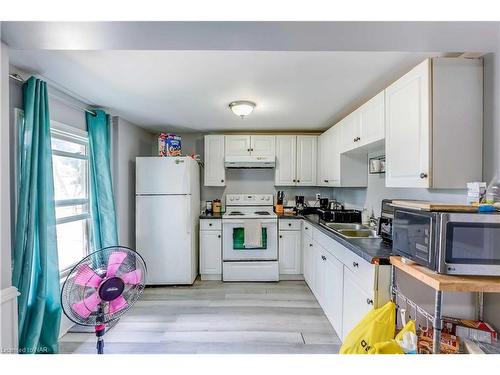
[(214, 171), (329, 158), (296, 158), (372, 120), (238, 145), (434, 125), (262, 145), (245, 145), (350, 131), (408, 129), (286, 153), (306, 160)]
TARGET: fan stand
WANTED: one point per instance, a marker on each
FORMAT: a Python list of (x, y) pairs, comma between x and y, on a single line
[(100, 330)]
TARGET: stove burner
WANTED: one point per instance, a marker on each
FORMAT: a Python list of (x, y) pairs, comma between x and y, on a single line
[(261, 213), (234, 213)]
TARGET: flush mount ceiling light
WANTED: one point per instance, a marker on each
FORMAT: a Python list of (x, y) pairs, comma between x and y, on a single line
[(242, 108)]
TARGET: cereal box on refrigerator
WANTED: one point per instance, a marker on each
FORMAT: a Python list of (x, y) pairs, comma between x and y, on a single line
[(169, 145)]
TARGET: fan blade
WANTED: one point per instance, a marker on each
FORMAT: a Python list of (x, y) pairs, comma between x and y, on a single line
[(132, 278), (114, 262), (86, 276), (86, 306), (117, 305)]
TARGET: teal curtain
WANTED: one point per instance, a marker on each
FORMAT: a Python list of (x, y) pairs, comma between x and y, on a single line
[(35, 263), (102, 204)]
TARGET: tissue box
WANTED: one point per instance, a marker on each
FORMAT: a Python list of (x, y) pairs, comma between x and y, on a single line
[(169, 145)]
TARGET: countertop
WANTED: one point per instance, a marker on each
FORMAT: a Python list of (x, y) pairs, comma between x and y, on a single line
[(211, 216), (372, 250)]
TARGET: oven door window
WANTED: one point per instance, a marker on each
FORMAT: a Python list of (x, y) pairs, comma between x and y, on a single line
[(472, 243), (239, 240)]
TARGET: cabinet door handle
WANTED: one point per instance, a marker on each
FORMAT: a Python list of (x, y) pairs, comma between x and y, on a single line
[(294, 181), (209, 224), (423, 175), (358, 138), (307, 228), (221, 180), (251, 149), (326, 180), (289, 224), (310, 245), (369, 301), (323, 257), (355, 264), (218, 236), (298, 180), (281, 236), (248, 149)]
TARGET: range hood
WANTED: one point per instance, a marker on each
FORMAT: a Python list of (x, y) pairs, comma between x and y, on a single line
[(245, 162)]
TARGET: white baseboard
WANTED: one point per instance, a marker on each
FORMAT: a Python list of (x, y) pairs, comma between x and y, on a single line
[(8, 316), (284, 277)]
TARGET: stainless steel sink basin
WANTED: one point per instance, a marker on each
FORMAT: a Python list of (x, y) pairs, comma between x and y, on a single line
[(340, 226), (357, 233)]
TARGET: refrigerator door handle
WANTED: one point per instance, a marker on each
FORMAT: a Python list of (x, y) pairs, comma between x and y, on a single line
[(188, 215)]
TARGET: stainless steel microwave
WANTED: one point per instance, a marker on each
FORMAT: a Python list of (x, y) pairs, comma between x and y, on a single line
[(449, 243)]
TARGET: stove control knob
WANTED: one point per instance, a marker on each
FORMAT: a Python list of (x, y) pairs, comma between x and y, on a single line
[(261, 198), (267, 198), (231, 198), (238, 198)]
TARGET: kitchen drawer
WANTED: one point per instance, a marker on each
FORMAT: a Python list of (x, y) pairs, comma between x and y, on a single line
[(307, 229), (210, 224), (289, 224), (363, 271), (329, 244)]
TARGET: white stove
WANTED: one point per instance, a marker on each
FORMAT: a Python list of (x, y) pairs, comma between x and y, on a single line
[(249, 206), (241, 263)]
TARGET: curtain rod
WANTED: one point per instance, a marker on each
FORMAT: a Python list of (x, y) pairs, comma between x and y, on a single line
[(18, 78)]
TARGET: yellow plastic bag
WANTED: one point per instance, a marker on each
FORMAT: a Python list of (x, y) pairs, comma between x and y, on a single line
[(386, 347), (409, 327), (378, 325)]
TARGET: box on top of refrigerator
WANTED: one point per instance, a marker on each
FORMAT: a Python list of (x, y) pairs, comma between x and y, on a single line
[(169, 145)]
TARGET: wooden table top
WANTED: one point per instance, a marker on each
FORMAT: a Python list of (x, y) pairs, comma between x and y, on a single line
[(448, 283)]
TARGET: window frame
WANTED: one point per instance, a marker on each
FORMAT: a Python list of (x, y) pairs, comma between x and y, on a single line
[(71, 134)]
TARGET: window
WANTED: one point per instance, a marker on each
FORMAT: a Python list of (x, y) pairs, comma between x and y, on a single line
[(71, 190)]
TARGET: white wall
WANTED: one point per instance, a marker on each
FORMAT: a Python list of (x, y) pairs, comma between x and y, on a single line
[(129, 141)]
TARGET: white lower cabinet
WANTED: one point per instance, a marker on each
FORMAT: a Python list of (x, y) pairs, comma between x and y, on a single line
[(210, 254), (357, 302), (345, 285), (290, 253)]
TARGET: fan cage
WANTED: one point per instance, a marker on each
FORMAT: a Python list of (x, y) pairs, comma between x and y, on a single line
[(98, 262)]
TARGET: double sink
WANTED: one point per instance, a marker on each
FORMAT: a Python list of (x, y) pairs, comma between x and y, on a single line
[(350, 230)]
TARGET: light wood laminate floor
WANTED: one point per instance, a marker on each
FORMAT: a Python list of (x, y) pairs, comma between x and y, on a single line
[(216, 317)]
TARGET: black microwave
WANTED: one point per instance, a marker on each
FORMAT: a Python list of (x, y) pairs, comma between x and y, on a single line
[(449, 243)]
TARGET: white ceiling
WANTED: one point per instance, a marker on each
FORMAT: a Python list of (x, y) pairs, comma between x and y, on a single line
[(190, 90)]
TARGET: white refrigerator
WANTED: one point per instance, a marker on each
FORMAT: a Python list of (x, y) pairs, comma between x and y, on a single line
[(167, 212)]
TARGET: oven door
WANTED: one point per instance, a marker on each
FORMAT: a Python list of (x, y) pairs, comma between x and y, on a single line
[(469, 244), (233, 248)]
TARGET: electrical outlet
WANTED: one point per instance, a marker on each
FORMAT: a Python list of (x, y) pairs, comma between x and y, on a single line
[(318, 196)]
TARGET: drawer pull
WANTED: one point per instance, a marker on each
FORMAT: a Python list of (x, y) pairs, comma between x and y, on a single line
[(369, 301), (281, 236), (218, 236), (221, 180), (423, 175), (310, 245), (323, 257), (209, 224), (355, 264), (289, 224), (307, 228)]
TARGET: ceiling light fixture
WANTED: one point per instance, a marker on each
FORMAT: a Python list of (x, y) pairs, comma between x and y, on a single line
[(242, 108)]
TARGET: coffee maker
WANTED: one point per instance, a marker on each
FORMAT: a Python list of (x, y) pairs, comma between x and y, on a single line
[(299, 202)]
